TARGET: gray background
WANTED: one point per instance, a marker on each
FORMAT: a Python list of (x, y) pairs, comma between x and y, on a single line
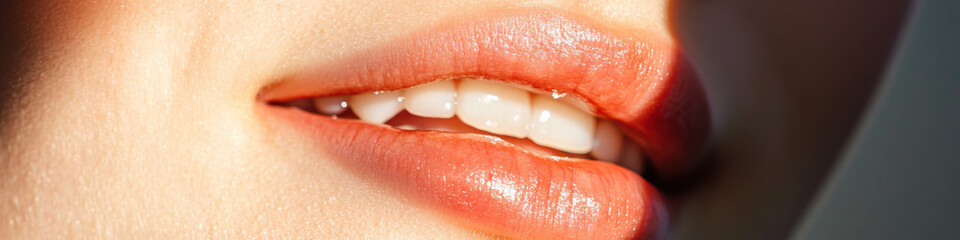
[(789, 82), (899, 177)]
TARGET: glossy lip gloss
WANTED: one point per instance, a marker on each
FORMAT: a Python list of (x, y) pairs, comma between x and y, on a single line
[(640, 80)]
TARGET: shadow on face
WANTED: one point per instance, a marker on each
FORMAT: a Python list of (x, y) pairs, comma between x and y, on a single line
[(13, 46)]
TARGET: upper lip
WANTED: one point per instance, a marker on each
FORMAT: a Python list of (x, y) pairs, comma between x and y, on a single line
[(638, 79)]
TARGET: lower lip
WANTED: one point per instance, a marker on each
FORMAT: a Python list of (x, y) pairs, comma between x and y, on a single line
[(639, 79), (494, 186)]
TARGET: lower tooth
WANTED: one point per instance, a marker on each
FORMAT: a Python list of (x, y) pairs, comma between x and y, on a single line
[(377, 107), (406, 127), (330, 105)]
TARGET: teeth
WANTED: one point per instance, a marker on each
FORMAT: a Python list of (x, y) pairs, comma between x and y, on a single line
[(376, 107), (561, 126), (330, 105), (607, 141), (494, 107), (435, 100)]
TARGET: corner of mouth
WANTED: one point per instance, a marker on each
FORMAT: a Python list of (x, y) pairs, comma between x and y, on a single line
[(644, 84)]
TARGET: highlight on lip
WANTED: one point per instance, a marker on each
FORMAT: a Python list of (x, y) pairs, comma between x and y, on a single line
[(546, 124), (639, 80), (489, 184), (478, 150)]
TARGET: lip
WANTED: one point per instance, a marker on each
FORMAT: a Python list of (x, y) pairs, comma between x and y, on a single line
[(640, 80)]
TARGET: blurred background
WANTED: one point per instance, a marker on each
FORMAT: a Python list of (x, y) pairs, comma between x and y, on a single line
[(898, 177), (858, 102)]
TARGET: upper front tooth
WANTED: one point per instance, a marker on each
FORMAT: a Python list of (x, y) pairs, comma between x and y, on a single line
[(376, 107), (561, 126), (434, 99), (330, 105), (494, 107)]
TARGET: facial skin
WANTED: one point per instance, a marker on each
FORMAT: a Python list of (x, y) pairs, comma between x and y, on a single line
[(139, 118)]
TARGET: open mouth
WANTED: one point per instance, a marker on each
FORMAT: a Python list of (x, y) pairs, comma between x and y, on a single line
[(549, 124), (514, 122)]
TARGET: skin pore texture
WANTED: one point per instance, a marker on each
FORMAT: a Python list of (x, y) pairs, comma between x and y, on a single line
[(125, 119), (137, 118)]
